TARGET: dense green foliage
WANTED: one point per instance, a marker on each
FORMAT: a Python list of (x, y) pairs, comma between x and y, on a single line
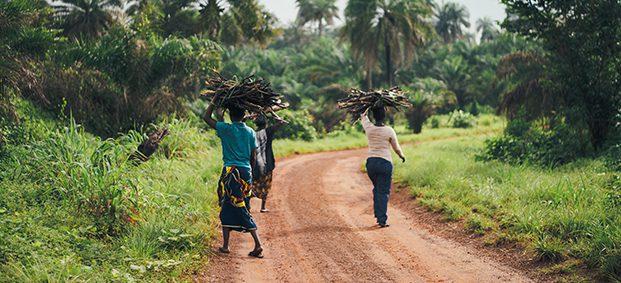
[(582, 68)]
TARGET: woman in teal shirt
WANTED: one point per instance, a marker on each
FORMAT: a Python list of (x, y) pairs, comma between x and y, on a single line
[(234, 188)]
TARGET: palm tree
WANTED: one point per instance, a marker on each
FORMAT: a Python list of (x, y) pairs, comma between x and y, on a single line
[(211, 16), (395, 26), (524, 79), (242, 21), (454, 72), (487, 28), (317, 11), (88, 18), (452, 20), (428, 96)]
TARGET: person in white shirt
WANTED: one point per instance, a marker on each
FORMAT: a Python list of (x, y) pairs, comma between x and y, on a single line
[(381, 139)]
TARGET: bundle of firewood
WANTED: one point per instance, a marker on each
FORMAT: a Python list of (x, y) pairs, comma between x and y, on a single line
[(358, 101), (251, 94)]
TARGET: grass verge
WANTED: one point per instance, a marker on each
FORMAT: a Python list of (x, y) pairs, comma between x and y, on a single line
[(560, 215)]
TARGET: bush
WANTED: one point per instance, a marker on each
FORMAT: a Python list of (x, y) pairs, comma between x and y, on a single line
[(88, 95), (517, 128), (299, 126), (435, 122), (461, 119), (474, 109), (523, 144)]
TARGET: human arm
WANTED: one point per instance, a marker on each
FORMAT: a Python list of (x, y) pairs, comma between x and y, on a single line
[(364, 119), (209, 111), (253, 159), (272, 129), (394, 143), (219, 113)]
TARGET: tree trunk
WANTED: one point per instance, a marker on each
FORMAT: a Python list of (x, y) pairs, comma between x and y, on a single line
[(320, 27), (387, 51)]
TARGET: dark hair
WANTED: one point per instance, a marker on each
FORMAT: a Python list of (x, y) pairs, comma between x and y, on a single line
[(379, 114), (237, 114), (261, 122)]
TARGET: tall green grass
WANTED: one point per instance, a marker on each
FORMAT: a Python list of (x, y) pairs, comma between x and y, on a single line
[(73, 208), (560, 214)]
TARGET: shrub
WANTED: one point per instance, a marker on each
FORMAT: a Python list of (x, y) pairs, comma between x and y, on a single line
[(523, 144), (474, 109), (435, 122), (517, 128), (461, 119), (299, 126)]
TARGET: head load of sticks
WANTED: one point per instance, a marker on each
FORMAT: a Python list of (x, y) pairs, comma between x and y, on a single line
[(358, 101), (254, 95)]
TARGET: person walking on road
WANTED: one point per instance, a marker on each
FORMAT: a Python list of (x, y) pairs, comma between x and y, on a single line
[(381, 139), (234, 188), (262, 171)]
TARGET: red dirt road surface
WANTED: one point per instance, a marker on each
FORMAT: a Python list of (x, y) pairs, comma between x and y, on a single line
[(321, 228)]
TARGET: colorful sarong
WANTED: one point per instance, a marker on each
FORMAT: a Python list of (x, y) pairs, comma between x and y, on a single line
[(261, 186), (234, 191)]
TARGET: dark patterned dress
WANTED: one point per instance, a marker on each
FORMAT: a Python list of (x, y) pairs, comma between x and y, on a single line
[(261, 186), (262, 174), (234, 192)]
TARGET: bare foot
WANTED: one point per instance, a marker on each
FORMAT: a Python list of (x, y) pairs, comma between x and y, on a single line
[(258, 253)]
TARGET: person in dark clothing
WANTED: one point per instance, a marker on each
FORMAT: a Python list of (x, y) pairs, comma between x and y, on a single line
[(262, 181)]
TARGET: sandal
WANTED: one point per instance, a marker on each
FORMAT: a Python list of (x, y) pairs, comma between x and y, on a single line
[(256, 253), (223, 250)]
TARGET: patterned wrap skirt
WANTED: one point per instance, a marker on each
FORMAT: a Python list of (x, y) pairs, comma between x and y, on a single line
[(234, 192), (261, 186)]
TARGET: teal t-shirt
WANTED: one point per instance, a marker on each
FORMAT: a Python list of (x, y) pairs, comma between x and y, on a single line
[(238, 141)]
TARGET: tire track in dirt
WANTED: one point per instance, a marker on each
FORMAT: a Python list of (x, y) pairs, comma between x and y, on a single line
[(321, 228)]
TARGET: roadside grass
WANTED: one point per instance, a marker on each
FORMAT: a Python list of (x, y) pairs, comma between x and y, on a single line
[(73, 208), (560, 215)]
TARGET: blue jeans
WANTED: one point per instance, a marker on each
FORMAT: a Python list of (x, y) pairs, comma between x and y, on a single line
[(380, 173)]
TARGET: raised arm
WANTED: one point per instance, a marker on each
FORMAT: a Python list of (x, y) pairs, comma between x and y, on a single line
[(277, 125), (208, 113), (364, 119), (394, 142)]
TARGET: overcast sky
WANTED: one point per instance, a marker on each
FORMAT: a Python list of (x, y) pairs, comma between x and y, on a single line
[(286, 10)]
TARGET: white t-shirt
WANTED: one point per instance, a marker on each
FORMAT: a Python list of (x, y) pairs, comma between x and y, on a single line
[(380, 139)]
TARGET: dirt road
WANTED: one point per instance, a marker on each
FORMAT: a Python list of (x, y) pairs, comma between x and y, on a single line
[(321, 229)]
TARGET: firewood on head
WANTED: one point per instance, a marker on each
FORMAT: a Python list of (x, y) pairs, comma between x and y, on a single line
[(358, 101), (251, 94)]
